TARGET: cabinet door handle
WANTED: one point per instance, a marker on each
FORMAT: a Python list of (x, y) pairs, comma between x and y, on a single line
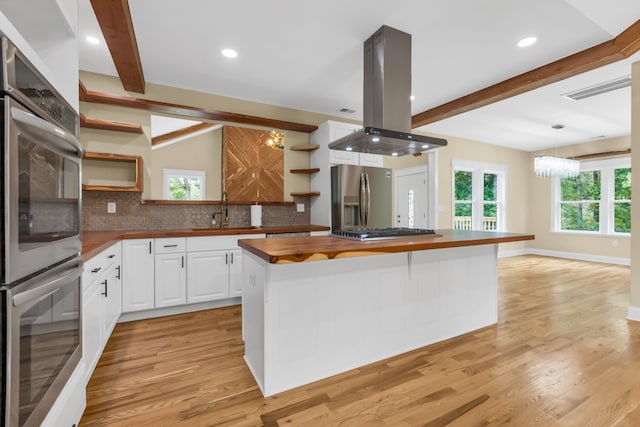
[(105, 289), (231, 257), (111, 256), (226, 258), (95, 270), (118, 276), (170, 246), (182, 261), (149, 246)]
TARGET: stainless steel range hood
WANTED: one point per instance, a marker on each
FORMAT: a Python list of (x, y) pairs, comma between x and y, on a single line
[(387, 103)]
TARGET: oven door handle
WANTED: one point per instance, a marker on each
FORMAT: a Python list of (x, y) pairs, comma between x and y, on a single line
[(36, 289), (34, 125)]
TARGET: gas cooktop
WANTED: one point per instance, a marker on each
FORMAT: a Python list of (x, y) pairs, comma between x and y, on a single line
[(363, 234)]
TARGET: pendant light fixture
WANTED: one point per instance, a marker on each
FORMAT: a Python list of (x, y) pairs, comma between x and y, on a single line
[(276, 140), (553, 166)]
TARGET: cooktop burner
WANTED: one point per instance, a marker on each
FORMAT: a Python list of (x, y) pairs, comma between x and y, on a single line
[(363, 234)]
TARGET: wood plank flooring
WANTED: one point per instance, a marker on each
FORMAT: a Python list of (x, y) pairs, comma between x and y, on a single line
[(562, 354)]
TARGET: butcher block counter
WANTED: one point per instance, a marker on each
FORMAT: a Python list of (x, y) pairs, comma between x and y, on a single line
[(360, 302), (298, 249), (94, 242)]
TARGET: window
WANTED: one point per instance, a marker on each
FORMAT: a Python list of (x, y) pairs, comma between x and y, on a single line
[(182, 184), (478, 196), (598, 200)]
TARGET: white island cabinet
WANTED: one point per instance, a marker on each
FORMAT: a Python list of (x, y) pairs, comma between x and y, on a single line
[(318, 306)]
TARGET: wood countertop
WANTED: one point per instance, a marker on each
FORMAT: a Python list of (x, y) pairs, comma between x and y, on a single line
[(299, 249), (94, 242)]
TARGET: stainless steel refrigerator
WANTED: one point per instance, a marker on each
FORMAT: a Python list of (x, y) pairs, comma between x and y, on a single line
[(360, 197)]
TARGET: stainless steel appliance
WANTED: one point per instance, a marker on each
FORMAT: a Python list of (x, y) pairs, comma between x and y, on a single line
[(360, 197), (41, 266), (383, 233), (387, 103)]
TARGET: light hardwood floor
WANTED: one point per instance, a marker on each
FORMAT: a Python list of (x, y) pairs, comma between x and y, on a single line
[(562, 354)]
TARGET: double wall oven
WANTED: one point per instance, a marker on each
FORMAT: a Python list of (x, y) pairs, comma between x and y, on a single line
[(40, 286)]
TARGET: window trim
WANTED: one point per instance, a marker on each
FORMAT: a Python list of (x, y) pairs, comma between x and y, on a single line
[(477, 191), (166, 173), (607, 197)]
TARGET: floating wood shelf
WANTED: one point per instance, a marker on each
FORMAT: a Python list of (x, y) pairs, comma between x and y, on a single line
[(87, 122), (304, 147), (306, 171), (209, 202), (137, 162), (302, 194)]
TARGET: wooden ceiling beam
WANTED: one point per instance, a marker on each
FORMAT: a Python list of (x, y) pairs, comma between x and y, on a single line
[(114, 18), (180, 133), (624, 45), (188, 111)]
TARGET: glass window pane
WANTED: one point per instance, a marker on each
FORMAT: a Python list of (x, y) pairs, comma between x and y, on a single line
[(585, 186), (622, 183), (463, 185), (463, 218), (490, 187), (580, 216), (184, 188), (622, 217), (490, 217)]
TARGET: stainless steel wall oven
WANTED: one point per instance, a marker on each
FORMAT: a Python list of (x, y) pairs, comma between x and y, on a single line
[(41, 268)]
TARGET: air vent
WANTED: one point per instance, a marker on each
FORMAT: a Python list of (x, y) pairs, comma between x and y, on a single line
[(598, 89), (346, 110)]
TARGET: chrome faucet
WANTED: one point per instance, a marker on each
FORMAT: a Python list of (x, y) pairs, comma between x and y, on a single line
[(223, 212)]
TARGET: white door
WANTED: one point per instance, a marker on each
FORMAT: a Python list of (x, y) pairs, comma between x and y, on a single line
[(412, 198), (208, 276), (235, 273), (171, 280), (137, 275)]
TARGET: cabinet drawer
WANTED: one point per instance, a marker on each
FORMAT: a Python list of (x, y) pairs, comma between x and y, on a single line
[(96, 266), (170, 245)]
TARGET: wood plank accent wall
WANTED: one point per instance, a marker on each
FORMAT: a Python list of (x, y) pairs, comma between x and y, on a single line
[(253, 172)]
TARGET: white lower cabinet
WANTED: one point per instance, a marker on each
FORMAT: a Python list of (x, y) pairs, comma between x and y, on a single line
[(235, 273), (138, 287), (101, 303), (171, 280), (207, 276)]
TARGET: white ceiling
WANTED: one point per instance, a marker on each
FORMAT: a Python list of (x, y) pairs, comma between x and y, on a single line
[(308, 56)]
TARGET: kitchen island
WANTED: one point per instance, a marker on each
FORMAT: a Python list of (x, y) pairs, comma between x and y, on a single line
[(313, 307)]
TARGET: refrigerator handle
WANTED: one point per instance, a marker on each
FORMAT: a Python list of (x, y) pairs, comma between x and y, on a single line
[(368, 202), (362, 200)]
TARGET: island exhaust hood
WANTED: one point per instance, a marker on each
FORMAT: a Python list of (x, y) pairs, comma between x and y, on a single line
[(387, 103)]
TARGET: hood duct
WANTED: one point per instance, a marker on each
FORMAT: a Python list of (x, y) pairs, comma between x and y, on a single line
[(387, 102)]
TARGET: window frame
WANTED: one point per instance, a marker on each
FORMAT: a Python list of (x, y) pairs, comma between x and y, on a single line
[(606, 202), (167, 173), (478, 170)]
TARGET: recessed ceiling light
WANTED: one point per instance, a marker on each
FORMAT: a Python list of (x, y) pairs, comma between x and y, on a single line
[(425, 145), (527, 41), (229, 53), (92, 40), (349, 148), (375, 139), (394, 154)]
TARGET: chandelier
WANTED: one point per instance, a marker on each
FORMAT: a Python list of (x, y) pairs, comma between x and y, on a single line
[(553, 166), (276, 140)]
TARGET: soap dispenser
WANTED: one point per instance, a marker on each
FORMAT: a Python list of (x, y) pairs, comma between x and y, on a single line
[(213, 221)]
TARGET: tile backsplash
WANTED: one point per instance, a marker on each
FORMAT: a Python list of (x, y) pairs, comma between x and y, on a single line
[(131, 214)]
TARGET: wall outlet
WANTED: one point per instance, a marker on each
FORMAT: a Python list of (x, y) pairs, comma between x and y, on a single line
[(111, 207), (300, 207), (614, 243)]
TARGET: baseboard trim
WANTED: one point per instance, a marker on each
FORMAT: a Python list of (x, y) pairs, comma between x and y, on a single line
[(579, 256), (633, 313), (177, 309), (507, 254)]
